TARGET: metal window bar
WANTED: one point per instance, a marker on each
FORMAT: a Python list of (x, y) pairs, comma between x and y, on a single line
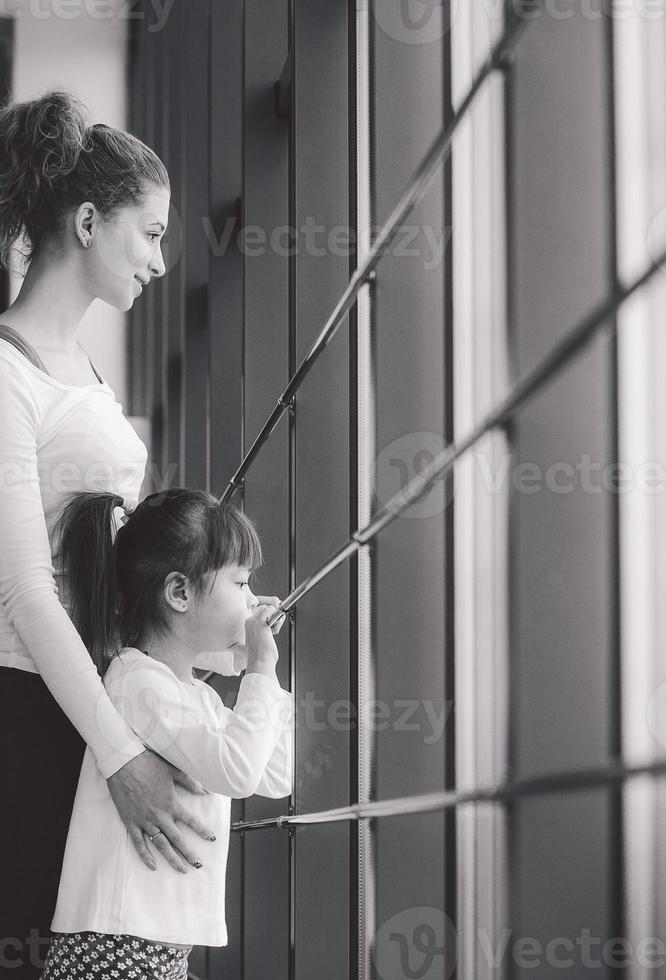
[(559, 357), (554, 362), (569, 781), (365, 434), (414, 192)]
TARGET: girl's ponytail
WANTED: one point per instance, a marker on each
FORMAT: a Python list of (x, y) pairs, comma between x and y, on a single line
[(85, 532)]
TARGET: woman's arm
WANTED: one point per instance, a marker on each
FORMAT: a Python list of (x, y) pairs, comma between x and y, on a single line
[(28, 591), (141, 784)]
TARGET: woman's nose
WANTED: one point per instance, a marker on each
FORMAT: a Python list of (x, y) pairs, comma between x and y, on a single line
[(157, 267)]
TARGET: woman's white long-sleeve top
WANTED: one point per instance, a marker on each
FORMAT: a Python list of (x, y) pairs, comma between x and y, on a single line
[(56, 439)]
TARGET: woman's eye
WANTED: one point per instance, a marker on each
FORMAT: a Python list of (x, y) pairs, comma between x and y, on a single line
[(153, 235)]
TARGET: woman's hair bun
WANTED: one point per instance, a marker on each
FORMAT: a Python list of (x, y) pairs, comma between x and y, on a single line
[(41, 140), (46, 134)]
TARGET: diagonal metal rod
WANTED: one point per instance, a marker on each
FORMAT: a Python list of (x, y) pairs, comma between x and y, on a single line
[(411, 196), (576, 780)]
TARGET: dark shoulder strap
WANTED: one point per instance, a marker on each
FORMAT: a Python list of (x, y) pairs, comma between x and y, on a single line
[(96, 372), (17, 341)]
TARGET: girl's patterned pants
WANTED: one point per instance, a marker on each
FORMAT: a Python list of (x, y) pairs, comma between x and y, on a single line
[(97, 956)]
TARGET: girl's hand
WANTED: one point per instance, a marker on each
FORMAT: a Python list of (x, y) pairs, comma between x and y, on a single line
[(274, 602), (144, 796), (259, 642)]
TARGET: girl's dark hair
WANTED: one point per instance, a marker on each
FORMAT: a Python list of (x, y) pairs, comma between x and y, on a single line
[(115, 585), (51, 160)]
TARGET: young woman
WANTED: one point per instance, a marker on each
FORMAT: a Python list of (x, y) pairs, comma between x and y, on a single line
[(171, 584), (89, 206)]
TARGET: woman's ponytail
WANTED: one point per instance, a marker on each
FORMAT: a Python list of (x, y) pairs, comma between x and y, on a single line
[(85, 533), (40, 142)]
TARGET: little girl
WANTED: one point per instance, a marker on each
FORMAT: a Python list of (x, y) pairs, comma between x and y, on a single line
[(173, 583)]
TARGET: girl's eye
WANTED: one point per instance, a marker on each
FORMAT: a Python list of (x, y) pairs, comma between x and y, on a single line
[(243, 583), (153, 235)]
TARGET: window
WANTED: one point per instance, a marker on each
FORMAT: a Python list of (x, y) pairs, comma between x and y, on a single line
[(472, 687)]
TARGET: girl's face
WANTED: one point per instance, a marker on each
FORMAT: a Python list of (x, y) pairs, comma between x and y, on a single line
[(126, 249), (219, 615)]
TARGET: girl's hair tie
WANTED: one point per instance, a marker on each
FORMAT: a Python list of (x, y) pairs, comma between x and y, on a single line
[(128, 509)]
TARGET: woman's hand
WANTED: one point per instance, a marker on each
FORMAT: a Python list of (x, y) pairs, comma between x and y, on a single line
[(144, 796)]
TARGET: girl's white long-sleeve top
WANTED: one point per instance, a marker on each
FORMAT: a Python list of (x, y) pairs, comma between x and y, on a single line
[(56, 439), (104, 886)]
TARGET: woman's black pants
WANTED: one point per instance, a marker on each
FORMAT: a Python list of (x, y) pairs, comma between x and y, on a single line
[(40, 760)]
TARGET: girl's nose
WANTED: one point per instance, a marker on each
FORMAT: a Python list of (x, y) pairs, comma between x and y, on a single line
[(252, 600)]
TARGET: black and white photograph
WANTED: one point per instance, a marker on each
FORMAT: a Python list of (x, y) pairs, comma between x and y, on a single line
[(332, 489)]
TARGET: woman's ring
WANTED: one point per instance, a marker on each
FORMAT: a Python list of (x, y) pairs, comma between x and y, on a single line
[(155, 835)]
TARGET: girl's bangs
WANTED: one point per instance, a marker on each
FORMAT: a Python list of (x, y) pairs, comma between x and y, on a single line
[(234, 540)]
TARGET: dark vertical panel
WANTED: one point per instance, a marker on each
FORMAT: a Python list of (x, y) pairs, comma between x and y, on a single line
[(563, 561), (6, 62), (562, 670), (618, 911), (196, 253), (266, 488), (450, 780), (147, 299), (177, 139), (136, 333), (160, 287), (226, 262), (320, 198), (410, 624), (660, 873), (222, 227)]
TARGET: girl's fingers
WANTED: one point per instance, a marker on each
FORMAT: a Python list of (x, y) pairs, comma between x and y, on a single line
[(276, 627), (268, 600), (137, 838), (273, 600)]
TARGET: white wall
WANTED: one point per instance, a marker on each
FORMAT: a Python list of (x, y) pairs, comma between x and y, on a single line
[(85, 54)]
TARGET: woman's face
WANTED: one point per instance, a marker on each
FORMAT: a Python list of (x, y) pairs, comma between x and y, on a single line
[(126, 250)]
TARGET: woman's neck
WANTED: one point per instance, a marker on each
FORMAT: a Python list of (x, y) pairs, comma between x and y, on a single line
[(50, 305)]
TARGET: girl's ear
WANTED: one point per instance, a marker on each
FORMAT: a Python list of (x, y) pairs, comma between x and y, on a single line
[(178, 591)]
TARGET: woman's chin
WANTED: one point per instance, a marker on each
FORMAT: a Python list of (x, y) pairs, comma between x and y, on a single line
[(123, 305)]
